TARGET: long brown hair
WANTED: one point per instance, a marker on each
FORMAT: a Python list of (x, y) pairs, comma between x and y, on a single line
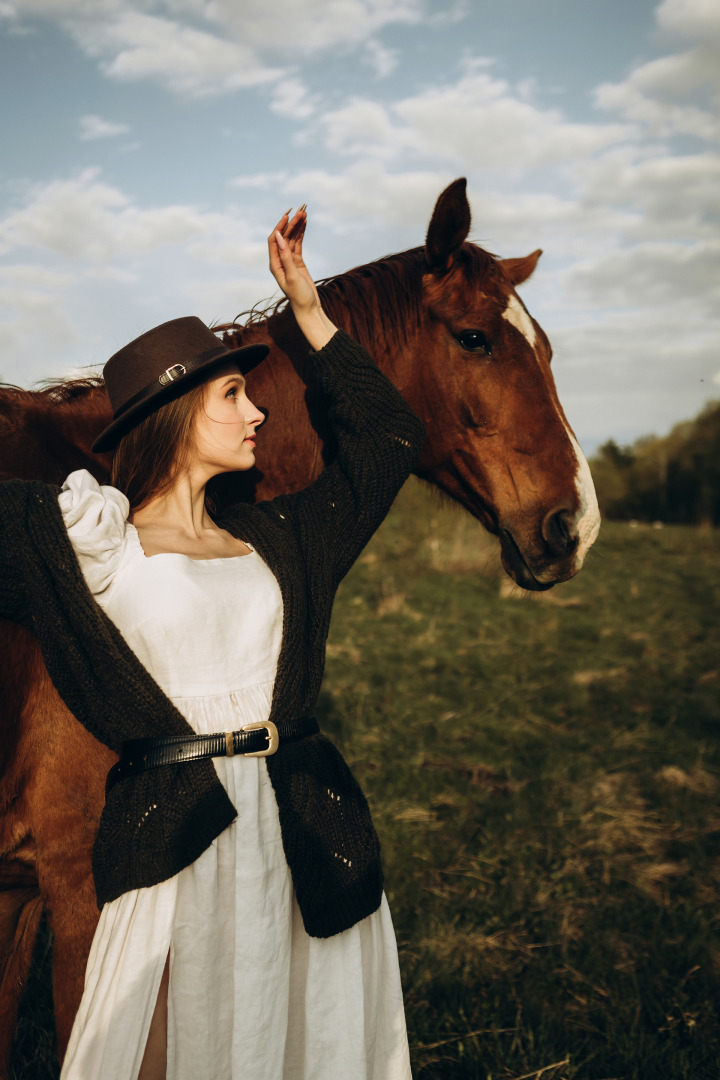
[(150, 457)]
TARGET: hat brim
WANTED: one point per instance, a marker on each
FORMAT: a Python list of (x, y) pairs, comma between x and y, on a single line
[(246, 357)]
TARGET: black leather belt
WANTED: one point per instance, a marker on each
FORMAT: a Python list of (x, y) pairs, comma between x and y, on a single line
[(253, 740)]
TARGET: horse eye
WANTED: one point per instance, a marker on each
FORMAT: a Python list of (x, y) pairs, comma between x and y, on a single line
[(474, 341)]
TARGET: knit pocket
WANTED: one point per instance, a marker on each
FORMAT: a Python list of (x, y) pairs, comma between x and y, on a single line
[(330, 842)]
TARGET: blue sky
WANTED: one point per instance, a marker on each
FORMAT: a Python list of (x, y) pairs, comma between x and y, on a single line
[(149, 145)]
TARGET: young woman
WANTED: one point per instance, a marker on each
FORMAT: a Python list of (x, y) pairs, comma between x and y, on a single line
[(243, 934)]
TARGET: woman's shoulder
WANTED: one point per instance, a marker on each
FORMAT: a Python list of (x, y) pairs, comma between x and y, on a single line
[(95, 516)]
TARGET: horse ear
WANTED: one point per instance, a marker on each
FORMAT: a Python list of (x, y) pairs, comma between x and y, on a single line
[(519, 270), (448, 228)]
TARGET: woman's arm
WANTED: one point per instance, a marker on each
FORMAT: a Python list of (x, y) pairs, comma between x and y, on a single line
[(378, 436)]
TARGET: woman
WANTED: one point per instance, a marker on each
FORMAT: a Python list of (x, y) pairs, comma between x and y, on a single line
[(243, 930)]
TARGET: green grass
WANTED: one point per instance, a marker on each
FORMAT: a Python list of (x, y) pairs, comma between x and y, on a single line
[(543, 775)]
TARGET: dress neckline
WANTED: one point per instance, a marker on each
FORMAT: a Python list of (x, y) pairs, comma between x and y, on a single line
[(189, 558)]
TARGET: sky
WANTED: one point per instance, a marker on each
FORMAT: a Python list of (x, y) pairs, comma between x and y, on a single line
[(148, 147)]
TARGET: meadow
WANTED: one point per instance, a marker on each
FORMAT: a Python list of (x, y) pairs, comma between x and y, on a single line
[(543, 774)]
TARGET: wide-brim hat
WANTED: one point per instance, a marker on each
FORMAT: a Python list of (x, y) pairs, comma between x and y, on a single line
[(161, 365)]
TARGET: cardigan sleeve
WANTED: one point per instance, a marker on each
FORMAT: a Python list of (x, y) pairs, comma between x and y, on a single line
[(378, 438)]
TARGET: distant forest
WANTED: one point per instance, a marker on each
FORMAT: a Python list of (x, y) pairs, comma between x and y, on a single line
[(674, 479)]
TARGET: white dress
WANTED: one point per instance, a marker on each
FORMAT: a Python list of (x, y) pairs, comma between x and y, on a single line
[(252, 996)]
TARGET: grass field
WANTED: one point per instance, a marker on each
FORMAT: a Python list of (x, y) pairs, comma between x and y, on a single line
[(543, 774)]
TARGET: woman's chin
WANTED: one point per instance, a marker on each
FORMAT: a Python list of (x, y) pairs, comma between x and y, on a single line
[(239, 462), (245, 460)]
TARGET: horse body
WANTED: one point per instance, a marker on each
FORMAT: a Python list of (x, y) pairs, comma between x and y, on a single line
[(445, 324)]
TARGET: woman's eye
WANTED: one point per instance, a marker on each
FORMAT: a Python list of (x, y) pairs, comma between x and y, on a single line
[(474, 341), (231, 392)]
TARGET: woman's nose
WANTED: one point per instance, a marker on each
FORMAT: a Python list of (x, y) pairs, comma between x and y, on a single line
[(254, 415)]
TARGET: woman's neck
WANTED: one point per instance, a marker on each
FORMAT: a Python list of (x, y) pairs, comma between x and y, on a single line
[(180, 510)]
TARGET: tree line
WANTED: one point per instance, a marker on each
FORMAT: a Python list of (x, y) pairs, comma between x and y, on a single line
[(674, 478)]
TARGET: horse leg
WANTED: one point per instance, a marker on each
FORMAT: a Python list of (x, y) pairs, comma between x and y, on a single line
[(72, 917), (20, 903), (20, 913), (65, 796)]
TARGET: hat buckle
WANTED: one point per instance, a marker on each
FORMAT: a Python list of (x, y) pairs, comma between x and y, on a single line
[(172, 373)]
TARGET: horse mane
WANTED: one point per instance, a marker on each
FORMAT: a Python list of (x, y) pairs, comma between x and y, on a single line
[(388, 290), (53, 391), (58, 396)]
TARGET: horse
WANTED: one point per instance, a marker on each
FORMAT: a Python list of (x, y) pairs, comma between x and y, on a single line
[(445, 323)]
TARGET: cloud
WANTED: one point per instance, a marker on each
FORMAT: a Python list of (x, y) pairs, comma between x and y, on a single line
[(86, 219), (33, 317), (134, 46), (94, 127), (198, 48), (633, 372), (361, 197), (654, 275), (291, 98), (678, 93), (647, 94), (670, 195), (313, 26), (261, 181), (88, 268), (696, 18), (382, 59), (479, 120)]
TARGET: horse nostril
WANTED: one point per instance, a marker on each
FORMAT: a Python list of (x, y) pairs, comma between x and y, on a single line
[(560, 532)]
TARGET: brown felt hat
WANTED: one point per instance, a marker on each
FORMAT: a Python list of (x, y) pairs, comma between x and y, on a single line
[(160, 365)]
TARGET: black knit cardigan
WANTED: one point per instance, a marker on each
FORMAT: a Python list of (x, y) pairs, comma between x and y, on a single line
[(156, 823)]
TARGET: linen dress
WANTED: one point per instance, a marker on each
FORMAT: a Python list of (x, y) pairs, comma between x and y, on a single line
[(252, 996)]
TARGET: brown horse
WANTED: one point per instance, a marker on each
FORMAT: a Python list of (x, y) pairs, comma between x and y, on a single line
[(444, 322)]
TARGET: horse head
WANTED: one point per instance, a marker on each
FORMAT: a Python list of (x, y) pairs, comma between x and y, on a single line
[(498, 440), (445, 323)]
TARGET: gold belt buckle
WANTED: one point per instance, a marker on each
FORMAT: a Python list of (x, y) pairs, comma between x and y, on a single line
[(273, 738)]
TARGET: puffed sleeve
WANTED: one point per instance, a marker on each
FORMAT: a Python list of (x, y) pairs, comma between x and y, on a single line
[(95, 517)]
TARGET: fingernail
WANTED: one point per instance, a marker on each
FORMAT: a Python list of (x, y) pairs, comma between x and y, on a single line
[(302, 208), (287, 213), (280, 242)]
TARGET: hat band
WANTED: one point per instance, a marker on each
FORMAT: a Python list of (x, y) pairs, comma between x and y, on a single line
[(168, 377)]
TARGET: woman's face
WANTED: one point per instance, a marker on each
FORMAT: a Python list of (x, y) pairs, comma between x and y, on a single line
[(226, 422)]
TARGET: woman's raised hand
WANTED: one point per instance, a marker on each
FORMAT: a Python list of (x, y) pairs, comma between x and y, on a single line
[(292, 275)]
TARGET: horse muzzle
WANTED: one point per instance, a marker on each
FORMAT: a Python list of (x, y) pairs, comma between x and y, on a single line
[(555, 558)]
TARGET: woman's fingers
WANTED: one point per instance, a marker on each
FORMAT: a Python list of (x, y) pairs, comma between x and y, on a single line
[(292, 230), (282, 224), (286, 260), (282, 262), (296, 229)]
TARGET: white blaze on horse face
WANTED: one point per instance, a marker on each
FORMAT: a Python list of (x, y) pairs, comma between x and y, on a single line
[(518, 317), (587, 519), (588, 516)]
